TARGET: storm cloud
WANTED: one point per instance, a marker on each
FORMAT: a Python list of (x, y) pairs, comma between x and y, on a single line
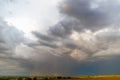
[(93, 14), (81, 42), (87, 29), (87, 34)]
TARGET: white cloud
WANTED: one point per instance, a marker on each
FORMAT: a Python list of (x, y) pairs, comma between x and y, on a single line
[(30, 15)]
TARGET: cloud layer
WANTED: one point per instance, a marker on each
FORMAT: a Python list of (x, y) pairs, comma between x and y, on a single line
[(81, 43)]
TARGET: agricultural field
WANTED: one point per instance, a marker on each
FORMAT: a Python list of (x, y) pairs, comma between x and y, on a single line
[(103, 77)]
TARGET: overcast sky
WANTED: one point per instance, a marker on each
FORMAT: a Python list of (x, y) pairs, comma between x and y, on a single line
[(59, 37)]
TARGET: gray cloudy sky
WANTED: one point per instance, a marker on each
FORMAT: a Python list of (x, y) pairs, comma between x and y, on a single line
[(59, 37)]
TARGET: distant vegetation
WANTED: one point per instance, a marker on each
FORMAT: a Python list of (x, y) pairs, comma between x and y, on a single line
[(34, 78), (101, 77)]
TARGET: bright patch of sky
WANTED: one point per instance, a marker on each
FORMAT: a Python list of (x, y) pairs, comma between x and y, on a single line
[(30, 15)]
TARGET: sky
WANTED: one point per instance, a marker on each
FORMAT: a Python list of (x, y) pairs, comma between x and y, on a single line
[(59, 37)]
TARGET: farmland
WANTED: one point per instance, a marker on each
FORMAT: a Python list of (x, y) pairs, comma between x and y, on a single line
[(103, 77)]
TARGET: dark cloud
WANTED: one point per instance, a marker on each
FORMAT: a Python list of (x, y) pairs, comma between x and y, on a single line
[(65, 27), (44, 37), (75, 31), (59, 30), (98, 67), (92, 14), (48, 44)]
